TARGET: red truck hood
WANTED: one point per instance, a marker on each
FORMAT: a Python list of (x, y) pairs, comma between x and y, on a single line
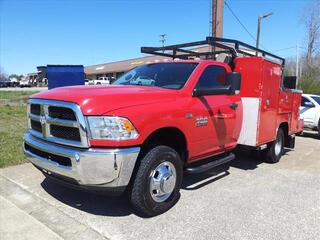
[(98, 100)]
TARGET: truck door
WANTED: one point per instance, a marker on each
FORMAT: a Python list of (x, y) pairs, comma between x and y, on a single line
[(270, 85), (215, 115)]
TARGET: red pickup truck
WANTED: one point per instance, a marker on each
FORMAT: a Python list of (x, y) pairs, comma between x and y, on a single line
[(160, 119)]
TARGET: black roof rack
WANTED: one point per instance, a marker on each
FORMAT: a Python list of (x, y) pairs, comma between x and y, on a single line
[(230, 46)]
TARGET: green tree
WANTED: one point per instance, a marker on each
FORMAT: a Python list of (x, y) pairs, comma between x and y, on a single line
[(309, 81), (18, 77)]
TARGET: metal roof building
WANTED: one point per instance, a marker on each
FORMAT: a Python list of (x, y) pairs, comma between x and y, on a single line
[(115, 69)]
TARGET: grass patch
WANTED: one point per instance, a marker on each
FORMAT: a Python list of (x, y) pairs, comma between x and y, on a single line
[(13, 123), (11, 95)]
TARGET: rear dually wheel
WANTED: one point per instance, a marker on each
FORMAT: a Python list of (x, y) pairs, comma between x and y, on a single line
[(276, 148)]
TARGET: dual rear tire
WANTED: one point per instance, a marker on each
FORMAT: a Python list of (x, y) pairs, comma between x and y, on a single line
[(275, 149)]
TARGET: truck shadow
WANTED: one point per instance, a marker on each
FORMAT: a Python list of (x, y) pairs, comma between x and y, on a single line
[(244, 160), (103, 205), (196, 181), (88, 202), (310, 134)]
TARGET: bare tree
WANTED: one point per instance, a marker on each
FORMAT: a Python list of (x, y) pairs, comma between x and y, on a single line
[(311, 19)]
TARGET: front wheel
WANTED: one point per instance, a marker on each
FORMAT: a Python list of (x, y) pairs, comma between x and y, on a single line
[(157, 183), (275, 149)]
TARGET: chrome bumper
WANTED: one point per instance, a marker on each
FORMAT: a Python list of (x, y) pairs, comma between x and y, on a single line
[(89, 167)]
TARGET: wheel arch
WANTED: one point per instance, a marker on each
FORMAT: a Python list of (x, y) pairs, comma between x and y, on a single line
[(288, 140), (285, 127), (169, 136)]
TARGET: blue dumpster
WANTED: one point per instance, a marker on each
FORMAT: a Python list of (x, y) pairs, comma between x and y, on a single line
[(65, 75)]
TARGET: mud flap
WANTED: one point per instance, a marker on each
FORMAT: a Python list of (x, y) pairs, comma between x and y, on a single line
[(290, 141)]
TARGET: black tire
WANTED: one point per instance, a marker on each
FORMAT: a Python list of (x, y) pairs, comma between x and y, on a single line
[(273, 154), (140, 194)]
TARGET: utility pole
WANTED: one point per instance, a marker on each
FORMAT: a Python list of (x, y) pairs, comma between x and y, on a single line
[(297, 64), (217, 18), (259, 26), (163, 39), (216, 21)]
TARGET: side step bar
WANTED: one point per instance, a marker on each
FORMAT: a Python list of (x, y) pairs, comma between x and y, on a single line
[(209, 165)]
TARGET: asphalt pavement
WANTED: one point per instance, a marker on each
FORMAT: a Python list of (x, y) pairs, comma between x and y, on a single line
[(248, 200)]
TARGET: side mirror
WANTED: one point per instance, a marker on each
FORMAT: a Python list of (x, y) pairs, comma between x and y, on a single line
[(233, 85), (234, 80), (211, 91)]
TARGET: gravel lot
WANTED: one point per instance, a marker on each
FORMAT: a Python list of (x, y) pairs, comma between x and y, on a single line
[(252, 200)]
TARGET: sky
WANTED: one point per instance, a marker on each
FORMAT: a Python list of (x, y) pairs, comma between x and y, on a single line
[(87, 32)]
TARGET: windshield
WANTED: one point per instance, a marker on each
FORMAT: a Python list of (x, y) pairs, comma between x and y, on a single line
[(316, 98), (165, 75)]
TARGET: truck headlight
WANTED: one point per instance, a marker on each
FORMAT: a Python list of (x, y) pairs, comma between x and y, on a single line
[(111, 128)]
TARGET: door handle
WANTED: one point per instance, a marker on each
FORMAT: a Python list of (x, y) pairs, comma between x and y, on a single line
[(233, 105), (225, 116)]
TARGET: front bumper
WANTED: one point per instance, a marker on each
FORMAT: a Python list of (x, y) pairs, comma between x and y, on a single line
[(92, 167)]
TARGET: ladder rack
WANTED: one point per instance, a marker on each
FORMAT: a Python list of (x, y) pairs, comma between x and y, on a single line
[(214, 46)]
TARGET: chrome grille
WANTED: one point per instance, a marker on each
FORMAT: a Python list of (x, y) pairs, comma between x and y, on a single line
[(62, 113), (65, 132), (58, 122), (35, 109), (35, 125)]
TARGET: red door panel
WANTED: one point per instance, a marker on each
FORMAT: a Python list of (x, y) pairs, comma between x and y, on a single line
[(270, 85)]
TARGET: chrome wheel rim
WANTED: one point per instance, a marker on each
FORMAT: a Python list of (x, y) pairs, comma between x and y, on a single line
[(278, 146), (162, 181)]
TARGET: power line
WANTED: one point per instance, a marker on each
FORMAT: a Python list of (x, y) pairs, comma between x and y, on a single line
[(244, 27), (282, 49), (287, 48), (239, 21)]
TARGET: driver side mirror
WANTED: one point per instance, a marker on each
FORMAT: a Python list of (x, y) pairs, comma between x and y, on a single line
[(234, 80), (233, 84)]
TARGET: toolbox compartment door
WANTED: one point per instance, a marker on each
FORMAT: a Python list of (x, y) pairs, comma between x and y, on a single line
[(269, 90)]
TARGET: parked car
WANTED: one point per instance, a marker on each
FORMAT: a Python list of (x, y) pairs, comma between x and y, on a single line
[(102, 80), (88, 82), (25, 83), (4, 83), (310, 111), (140, 139), (142, 80), (13, 82)]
